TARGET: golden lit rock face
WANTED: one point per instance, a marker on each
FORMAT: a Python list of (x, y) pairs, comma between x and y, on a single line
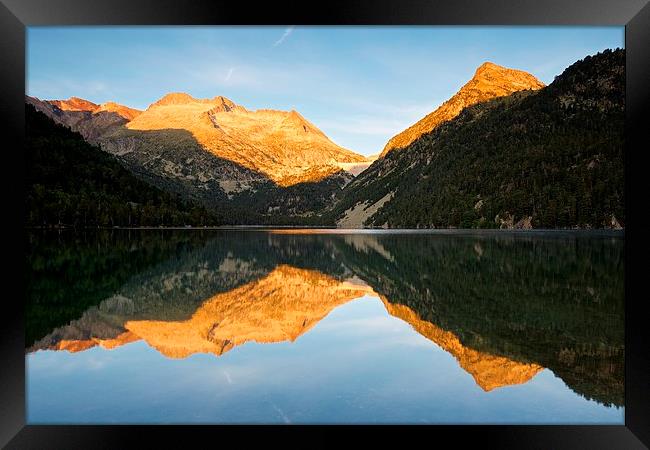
[(281, 146), (284, 146), (74, 104), (489, 371), (74, 346), (79, 104), (124, 111), (490, 81), (279, 307)]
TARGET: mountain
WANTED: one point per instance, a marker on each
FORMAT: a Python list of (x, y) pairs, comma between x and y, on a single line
[(489, 81), (79, 104), (85, 117), (545, 158), (281, 146), (504, 152), (71, 182), (253, 164)]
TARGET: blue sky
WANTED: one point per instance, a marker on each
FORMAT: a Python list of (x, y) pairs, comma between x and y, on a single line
[(360, 85)]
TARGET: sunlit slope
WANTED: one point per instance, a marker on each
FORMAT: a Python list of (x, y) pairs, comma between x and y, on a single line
[(281, 145), (489, 81)]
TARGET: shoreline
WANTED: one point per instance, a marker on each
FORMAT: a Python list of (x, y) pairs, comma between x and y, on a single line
[(289, 229)]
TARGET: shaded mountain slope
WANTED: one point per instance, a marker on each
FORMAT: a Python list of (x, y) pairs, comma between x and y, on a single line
[(85, 117)]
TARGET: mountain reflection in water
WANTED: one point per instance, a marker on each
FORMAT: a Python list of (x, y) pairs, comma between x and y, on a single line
[(505, 305)]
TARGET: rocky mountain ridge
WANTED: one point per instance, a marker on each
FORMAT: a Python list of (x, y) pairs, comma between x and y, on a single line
[(282, 146), (489, 81), (87, 118), (250, 165)]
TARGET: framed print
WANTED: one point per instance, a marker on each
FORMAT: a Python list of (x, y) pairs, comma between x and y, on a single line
[(369, 216)]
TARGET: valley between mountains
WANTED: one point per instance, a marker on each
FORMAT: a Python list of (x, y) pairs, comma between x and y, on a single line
[(505, 151)]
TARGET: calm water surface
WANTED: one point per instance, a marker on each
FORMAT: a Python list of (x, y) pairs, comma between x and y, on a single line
[(299, 326)]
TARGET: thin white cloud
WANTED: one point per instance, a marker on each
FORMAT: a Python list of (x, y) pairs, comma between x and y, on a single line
[(285, 35), (230, 71)]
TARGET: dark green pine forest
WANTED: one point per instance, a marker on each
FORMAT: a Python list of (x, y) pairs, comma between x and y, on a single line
[(73, 183), (554, 155)]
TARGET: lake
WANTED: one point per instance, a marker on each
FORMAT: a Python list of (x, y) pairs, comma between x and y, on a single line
[(324, 326)]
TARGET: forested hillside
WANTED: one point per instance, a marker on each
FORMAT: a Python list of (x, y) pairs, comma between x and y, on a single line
[(72, 183), (551, 158)]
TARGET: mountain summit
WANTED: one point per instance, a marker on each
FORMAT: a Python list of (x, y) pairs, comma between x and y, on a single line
[(80, 105), (489, 81), (85, 117), (252, 164), (544, 158), (280, 145)]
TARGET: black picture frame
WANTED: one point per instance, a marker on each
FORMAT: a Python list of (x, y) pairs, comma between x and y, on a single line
[(15, 15)]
